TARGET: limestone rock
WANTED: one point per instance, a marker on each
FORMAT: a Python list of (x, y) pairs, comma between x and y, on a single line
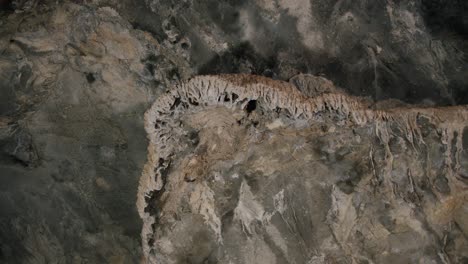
[(332, 181), (292, 169)]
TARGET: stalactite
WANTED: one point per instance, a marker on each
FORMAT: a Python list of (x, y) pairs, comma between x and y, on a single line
[(235, 91)]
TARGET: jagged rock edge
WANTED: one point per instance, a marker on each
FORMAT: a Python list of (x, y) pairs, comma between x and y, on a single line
[(236, 90)]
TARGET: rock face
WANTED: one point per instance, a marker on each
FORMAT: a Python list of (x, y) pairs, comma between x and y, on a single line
[(72, 142), (239, 168), (244, 169), (410, 50)]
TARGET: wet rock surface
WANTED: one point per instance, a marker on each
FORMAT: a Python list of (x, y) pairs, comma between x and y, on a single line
[(77, 76)]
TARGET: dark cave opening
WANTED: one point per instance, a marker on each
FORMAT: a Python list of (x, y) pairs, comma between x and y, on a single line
[(251, 106)]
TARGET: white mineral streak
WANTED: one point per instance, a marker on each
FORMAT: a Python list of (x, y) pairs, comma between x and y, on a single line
[(235, 91), (248, 209)]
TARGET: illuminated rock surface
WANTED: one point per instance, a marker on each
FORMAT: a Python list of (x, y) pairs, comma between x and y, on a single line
[(243, 169)]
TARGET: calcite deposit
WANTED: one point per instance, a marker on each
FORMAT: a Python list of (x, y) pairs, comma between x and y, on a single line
[(350, 149), (245, 169)]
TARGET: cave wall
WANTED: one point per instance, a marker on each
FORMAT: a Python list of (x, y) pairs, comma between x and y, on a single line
[(77, 76)]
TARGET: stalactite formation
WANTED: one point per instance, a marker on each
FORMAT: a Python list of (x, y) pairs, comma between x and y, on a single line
[(240, 95)]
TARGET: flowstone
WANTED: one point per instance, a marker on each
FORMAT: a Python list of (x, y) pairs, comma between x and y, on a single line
[(245, 169)]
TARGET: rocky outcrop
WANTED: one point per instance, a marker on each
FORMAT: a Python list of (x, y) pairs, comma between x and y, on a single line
[(379, 175), (232, 177)]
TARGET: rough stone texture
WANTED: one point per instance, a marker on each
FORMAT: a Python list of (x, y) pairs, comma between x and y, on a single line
[(243, 169), (77, 76), (413, 50), (72, 140)]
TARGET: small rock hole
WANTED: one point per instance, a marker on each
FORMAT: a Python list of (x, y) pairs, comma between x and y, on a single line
[(90, 77), (251, 106), (193, 102), (185, 45)]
